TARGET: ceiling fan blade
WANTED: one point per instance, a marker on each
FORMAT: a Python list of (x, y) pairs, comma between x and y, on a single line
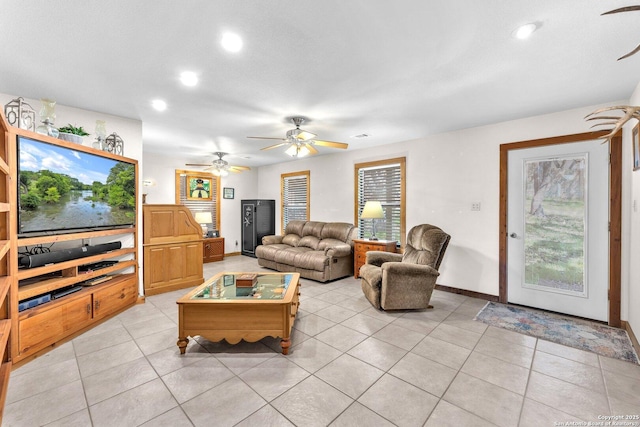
[(197, 164), (311, 149), (266, 137), (330, 144), (274, 146), (239, 168)]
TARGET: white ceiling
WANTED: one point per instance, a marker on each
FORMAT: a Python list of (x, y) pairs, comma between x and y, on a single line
[(396, 70)]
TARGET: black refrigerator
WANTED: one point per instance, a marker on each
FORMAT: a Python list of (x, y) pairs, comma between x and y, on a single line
[(258, 220)]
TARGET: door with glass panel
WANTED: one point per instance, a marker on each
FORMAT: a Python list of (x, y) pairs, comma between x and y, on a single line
[(558, 226)]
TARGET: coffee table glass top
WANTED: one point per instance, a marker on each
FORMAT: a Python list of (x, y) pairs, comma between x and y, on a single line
[(226, 287)]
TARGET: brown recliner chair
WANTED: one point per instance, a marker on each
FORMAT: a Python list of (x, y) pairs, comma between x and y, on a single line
[(405, 281)]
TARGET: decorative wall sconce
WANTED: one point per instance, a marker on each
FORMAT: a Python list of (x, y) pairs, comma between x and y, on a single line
[(114, 144), (20, 114)]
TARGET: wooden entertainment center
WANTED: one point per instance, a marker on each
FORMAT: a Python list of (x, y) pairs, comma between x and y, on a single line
[(109, 279)]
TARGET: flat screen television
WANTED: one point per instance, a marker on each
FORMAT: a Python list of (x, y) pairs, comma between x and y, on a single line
[(63, 190)]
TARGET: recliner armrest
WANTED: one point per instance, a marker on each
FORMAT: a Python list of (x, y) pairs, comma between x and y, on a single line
[(271, 240), (378, 258), (398, 270), (338, 250)]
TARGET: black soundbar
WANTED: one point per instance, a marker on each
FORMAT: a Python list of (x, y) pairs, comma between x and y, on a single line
[(38, 260)]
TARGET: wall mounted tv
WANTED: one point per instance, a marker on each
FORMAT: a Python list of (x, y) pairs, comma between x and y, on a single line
[(63, 190)]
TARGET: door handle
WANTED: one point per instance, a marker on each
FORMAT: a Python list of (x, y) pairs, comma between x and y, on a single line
[(513, 235)]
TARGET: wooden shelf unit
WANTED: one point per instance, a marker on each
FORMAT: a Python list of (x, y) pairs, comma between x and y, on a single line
[(7, 196), (38, 329)]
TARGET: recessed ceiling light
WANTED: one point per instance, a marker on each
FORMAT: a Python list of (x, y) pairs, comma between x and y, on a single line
[(231, 42), (362, 135), (189, 78), (159, 104), (524, 31)]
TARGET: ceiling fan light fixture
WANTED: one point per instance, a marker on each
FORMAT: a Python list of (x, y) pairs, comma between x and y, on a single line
[(303, 151), (304, 135), (220, 172), (297, 150), (292, 150)]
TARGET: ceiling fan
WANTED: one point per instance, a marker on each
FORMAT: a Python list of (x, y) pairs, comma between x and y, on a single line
[(220, 167), (301, 142)]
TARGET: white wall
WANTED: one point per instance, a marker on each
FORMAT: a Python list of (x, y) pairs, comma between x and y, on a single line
[(128, 129)]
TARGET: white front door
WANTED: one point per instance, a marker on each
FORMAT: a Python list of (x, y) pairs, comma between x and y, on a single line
[(558, 226)]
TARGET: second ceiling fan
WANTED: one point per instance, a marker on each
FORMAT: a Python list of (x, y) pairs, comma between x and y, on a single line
[(220, 167), (300, 142)]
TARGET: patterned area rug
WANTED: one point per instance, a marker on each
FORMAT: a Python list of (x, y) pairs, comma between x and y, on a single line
[(569, 331)]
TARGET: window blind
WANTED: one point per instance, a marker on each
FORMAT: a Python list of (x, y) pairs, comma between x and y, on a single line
[(384, 184), (295, 198)]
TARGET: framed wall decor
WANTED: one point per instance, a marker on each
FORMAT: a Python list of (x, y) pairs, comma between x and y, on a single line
[(635, 140), (228, 193), (198, 188)]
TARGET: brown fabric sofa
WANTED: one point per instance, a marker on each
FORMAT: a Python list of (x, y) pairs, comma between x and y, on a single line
[(405, 281), (320, 251)]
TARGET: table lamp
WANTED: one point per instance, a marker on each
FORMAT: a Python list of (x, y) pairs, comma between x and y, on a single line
[(204, 218), (372, 210)]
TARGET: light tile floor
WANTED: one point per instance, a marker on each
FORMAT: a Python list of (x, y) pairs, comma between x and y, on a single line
[(349, 365)]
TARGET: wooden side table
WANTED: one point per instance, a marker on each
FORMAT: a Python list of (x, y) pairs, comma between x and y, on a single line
[(212, 249), (362, 246)]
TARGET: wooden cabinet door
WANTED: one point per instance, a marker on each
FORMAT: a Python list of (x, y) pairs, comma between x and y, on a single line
[(113, 298), (213, 249), (169, 264), (47, 326)]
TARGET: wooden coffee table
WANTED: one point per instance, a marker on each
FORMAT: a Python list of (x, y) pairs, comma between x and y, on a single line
[(218, 309)]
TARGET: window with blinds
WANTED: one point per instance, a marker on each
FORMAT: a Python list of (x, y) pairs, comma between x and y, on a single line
[(195, 206), (295, 197), (382, 181)]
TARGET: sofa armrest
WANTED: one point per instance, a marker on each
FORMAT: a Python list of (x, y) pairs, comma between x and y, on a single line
[(271, 240), (378, 258), (338, 250)]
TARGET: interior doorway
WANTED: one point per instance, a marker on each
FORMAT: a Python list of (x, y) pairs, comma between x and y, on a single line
[(563, 150)]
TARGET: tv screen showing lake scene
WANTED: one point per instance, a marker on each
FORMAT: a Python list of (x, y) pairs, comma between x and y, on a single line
[(61, 189)]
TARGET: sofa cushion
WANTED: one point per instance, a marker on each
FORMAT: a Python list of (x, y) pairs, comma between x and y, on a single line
[(295, 227), (269, 251), (311, 260), (288, 255), (291, 240), (337, 230), (309, 242), (313, 228)]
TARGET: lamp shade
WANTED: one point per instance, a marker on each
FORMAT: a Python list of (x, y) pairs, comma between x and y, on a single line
[(372, 209), (204, 218)]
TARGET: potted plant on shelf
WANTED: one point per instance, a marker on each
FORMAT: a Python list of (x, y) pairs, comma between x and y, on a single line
[(72, 133)]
